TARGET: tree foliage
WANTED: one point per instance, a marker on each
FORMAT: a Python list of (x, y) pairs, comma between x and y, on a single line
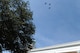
[(16, 26)]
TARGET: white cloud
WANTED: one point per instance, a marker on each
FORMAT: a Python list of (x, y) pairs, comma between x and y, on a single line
[(43, 41)]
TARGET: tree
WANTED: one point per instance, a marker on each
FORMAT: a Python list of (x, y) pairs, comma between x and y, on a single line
[(16, 26)]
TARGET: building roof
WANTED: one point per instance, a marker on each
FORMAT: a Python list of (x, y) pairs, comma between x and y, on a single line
[(70, 44)]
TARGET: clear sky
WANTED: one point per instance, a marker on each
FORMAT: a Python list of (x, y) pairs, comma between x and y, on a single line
[(60, 24), (6, 51)]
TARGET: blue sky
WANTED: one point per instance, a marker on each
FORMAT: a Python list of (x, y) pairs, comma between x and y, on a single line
[(60, 24), (6, 51)]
